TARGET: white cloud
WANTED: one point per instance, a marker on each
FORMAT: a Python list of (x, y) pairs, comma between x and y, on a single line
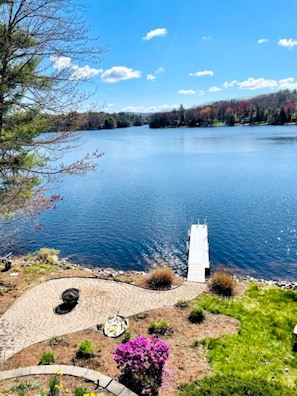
[(159, 70), (119, 73), (206, 38), (229, 84), (84, 73), (150, 77), (287, 83), (257, 83), (160, 32), (61, 62), (79, 72), (202, 73), (263, 40), (214, 89), (150, 109), (187, 92), (287, 42)]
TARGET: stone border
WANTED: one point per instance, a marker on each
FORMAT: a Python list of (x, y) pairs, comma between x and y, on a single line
[(99, 379)]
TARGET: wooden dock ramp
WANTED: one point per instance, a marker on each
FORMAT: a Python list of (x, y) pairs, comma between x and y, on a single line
[(198, 253)]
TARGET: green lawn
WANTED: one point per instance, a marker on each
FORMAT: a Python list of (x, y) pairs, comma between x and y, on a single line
[(262, 348)]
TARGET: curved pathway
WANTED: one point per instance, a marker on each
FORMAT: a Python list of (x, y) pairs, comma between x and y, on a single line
[(31, 318)]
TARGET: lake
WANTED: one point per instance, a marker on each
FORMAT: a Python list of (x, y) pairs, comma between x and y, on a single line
[(135, 209)]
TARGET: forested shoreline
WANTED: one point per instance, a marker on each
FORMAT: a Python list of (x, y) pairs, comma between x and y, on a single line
[(272, 109)]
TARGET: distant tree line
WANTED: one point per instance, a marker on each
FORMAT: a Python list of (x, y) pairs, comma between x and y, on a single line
[(271, 109), (75, 121)]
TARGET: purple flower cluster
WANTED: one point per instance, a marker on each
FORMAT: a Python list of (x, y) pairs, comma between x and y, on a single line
[(141, 362)]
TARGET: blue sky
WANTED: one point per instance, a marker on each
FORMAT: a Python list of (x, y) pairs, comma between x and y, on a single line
[(163, 53)]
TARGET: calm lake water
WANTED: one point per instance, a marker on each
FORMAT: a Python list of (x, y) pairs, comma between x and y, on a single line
[(136, 208)]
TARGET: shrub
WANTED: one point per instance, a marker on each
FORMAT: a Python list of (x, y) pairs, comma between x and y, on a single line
[(22, 387), (85, 349), (222, 283), (80, 391), (182, 304), (49, 256), (160, 278), (55, 340), (197, 315), (127, 337), (232, 385), (159, 328), (47, 357), (142, 364)]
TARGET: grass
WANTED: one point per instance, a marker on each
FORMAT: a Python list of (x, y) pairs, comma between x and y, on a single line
[(263, 346), (160, 278)]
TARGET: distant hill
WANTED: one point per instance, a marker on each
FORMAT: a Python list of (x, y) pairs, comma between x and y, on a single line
[(272, 109)]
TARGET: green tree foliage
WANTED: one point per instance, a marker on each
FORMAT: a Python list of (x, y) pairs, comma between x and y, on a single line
[(40, 41), (273, 109)]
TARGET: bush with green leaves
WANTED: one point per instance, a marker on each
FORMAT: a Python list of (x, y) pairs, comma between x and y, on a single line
[(197, 315), (159, 327), (226, 385), (80, 391), (85, 349), (182, 304), (126, 337), (47, 357)]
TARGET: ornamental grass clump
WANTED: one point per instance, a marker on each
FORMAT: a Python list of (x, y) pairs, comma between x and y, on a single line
[(142, 362), (222, 283), (160, 278)]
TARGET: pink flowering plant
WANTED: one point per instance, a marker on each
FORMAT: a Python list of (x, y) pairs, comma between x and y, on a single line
[(142, 363)]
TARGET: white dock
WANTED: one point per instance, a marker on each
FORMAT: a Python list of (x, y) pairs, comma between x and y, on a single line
[(198, 253)]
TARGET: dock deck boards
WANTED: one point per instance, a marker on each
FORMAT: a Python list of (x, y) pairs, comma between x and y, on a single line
[(198, 253)]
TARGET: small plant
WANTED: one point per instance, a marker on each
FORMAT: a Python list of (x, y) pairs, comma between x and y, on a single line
[(85, 349), (222, 283), (54, 386), (80, 391), (127, 337), (47, 357), (194, 344), (90, 266), (140, 316), (160, 278), (197, 315), (21, 387), (49, 256), (182, 304), (56, 340), (159, 328), (142, 362)]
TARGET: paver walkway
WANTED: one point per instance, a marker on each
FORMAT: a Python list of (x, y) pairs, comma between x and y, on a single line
[(31, 318)]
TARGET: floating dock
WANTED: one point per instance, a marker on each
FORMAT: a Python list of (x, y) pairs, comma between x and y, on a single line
[(198, 253)]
